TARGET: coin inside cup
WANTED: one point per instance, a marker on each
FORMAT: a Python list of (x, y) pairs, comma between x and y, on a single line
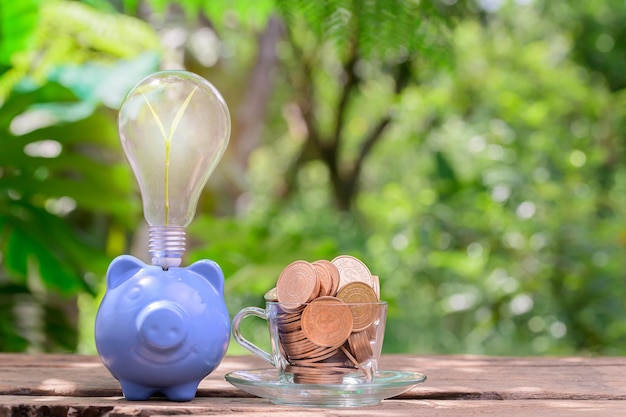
[(326, 321), (319, 343)]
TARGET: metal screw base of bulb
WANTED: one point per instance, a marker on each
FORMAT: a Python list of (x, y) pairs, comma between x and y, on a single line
[(166, 245)]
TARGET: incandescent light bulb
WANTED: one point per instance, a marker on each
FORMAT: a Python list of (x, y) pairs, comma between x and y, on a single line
[(174, 127)]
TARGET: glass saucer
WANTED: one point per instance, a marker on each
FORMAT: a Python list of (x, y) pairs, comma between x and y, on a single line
[(353, 392)]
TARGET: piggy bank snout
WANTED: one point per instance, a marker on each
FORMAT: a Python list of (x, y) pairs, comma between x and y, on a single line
[(161, 326)]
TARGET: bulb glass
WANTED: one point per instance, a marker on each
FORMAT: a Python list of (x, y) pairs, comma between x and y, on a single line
[(174, 127)]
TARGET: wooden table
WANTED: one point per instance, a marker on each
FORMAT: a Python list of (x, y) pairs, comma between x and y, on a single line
[(71, 385)]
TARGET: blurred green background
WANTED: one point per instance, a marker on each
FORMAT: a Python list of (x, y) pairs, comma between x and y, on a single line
[(471, 153)]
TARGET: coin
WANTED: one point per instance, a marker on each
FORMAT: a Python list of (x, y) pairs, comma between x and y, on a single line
[(327, 380), (351, 270), (338, 359), (327, 321), (289, 327), (371, 331), (285, 318), (323, 354), (286, 322), (362, 301), (282, 321), (297, 284), (314, 370), (313, 375), (327, 318), (299, 350), (319, 364), (292, 337), (326, 281), (352, 359), (271, 295), (321, 360), (376, 285), (307, 352), (300, 377), (333, 273), (360, 346)]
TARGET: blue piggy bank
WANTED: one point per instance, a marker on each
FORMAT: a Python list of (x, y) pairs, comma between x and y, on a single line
[(162, 331)]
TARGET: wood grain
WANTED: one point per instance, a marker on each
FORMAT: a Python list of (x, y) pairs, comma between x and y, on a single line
[(252, 407), (63, 385)]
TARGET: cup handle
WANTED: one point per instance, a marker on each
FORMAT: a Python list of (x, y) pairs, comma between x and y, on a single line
[(245, 343)]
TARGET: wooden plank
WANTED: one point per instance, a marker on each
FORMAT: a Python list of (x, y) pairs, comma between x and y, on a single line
[(248, 407), (449, 377), (69, 375), (477, 377)]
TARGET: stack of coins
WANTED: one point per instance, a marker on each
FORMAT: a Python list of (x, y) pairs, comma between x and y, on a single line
[(328, 318)]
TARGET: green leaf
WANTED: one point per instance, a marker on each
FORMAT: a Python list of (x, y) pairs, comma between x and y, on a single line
[(71, 32), (18, 22), (252, 13), (42, 245), (17, 248), (384, 29), (99, 129), (105, 83)]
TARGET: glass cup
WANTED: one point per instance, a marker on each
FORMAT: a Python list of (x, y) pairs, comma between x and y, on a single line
[(325, 341)]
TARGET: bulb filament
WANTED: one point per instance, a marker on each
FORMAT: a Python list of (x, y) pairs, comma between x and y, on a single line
[(167, 138)]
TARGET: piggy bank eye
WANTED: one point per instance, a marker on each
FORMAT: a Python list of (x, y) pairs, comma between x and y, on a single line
[(134, 293)]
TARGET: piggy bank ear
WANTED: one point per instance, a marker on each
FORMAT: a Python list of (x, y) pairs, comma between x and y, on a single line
[(211, 272), (121, 269)]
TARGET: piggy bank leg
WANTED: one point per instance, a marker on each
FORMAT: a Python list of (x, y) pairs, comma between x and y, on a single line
[(136, 392), (184, 392)]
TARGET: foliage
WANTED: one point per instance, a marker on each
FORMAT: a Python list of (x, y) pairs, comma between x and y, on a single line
[(66, 197), (470, 155), (513, 234), (598, 32), (40, 35), (338, 61), (490, 210)]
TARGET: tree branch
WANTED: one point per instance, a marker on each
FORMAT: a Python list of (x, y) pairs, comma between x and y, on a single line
[(302, 81), (351, 81), (350, 186)]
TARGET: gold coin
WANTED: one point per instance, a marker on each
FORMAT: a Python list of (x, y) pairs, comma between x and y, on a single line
[(333, 273), (327, 321), (362, 300), (296, 285), (351, 270)]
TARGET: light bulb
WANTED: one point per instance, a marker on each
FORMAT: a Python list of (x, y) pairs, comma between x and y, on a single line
[(174, 127)]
